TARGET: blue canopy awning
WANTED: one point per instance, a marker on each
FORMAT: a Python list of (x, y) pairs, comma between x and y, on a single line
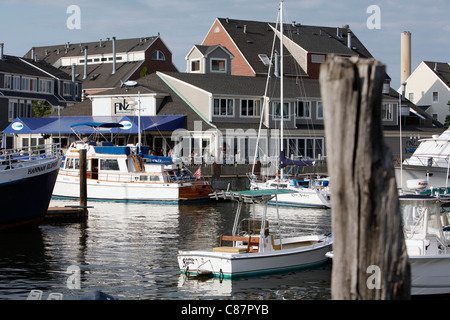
[(122, 124)]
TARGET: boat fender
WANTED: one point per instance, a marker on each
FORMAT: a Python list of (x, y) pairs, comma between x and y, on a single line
[(221, 276)]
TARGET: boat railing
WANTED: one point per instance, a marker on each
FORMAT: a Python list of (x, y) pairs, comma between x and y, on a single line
[(133, 177), (428, 161), (31, 153)]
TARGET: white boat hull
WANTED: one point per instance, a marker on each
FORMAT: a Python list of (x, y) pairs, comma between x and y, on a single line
[(233, 265), (69, 187), (430, 275), (303, 197)]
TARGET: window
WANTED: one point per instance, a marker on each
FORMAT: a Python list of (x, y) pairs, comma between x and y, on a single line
[(158, 55), (435, 97), (305, 148), (8, 82), (319, 110), (12, 110), (45, 86), (411, 97), (265, 59), (33, 85), (276, 110), (109, 164), (218, 65), (26, 84), (67, 88), (195, 65), (223, 107), (16, 83), (250, 108), (387, 111), (303, 109)]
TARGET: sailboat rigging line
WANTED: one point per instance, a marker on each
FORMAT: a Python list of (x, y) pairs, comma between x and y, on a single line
[(264, 104)]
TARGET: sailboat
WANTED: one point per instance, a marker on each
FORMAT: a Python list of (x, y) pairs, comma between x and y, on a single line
[(310, 192), (256, 247)]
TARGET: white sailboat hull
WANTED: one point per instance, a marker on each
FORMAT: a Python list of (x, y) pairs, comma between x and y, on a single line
[(303, 197), (300, 197), (233, 265)]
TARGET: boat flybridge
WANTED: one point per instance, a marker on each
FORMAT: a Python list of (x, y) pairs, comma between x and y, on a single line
[(119, 173)]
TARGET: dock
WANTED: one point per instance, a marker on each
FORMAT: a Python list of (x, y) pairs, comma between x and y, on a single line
[(66, 213)]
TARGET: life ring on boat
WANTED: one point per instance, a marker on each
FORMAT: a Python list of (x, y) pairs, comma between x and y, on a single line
[(136, 178)]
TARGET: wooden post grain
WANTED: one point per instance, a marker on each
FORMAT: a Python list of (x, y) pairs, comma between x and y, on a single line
[(370, 260)]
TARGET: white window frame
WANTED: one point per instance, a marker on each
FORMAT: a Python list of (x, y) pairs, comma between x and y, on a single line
[(16, 82), (319, 106), (13, 106), (227, 106), (8, 83), (437, 97), (274, 109), (218, 59), (67, 86), (306, 109), (45, 86), (256, 106), (199, 65), (158, 55), (387, 111)]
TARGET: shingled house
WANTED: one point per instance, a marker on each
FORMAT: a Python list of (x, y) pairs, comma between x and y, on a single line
[(24, 80), (105, 64)]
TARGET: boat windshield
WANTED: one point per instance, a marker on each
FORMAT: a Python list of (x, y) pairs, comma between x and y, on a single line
[(421, 219)]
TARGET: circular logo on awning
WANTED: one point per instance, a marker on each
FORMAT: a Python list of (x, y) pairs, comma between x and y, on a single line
[(17, 126), (126, 125)]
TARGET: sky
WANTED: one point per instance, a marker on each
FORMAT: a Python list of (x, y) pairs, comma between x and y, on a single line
[(184, 23)]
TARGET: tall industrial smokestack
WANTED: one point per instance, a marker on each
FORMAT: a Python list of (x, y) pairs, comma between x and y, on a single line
[(114, 54), (405, 63)]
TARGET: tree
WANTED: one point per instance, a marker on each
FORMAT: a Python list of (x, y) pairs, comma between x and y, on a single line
[(41, 108), (144, 72)]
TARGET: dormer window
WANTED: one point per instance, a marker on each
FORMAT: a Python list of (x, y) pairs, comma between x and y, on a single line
[(218, 65), (158, 55), (195, 65)]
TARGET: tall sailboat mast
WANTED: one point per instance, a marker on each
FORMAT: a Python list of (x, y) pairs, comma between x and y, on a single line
[(281, 85)]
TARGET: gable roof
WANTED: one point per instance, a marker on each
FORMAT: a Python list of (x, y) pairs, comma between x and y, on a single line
[(441, 70), (206, 50), (21, 66), (229, 85), (254, 37)]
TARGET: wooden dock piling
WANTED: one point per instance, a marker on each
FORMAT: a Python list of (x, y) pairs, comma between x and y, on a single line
[(370, 260)]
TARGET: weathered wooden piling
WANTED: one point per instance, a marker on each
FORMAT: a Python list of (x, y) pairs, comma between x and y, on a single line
[(370, 260)]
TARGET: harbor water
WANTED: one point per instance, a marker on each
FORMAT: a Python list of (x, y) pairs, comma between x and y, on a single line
[(128, 250)]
